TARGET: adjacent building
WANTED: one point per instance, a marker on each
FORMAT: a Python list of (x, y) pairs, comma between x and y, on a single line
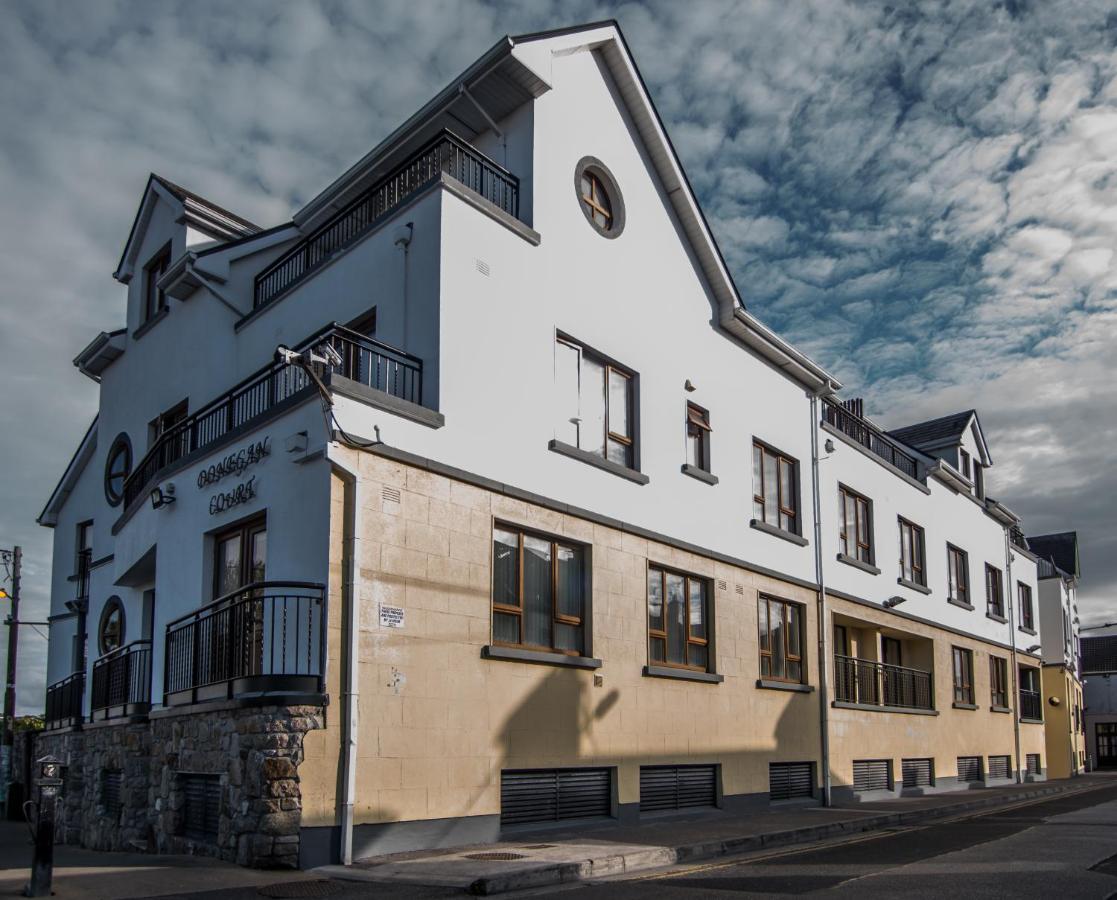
[(475, 498), (1099, 673)]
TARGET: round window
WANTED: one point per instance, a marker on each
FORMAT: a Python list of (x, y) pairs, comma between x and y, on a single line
[(118, 466), (110, 633), (599, 197)]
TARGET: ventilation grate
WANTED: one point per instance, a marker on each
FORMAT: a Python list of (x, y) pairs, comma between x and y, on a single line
[(677, 787), (295, 890), (390, 494), (495, 855), (790, 780), (741, 589), (916, 772), (969, 768), (201, 808), (999, 767), (1032, 760), (482, 267), (111, 782), (551, 795), (872, 774), (722, 586)]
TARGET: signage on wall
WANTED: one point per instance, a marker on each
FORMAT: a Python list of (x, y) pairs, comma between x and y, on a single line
[(391, 616), (224, 500), (235, 463)]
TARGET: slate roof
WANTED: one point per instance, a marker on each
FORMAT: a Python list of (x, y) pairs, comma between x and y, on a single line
[(1061, 549), (1099, 654), (945, 428)]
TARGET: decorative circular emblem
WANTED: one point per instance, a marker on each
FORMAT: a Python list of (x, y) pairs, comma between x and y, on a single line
[(110, 633), (118, 466), (599, 197)]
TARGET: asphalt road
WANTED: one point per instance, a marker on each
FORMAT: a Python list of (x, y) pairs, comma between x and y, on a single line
[(1061, 848)]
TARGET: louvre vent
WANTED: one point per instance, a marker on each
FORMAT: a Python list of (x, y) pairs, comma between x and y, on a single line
[(390, 494), (916, 772), (741, 589), (551, 795), (999, 767), (790, 780), (722, 586), (201, 807), (969, 768), (677, 787), (482, 267), (1032, 760), (111, 781), (872, 774)]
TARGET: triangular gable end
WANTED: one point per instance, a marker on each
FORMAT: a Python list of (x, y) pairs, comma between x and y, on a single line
[(49, 516)]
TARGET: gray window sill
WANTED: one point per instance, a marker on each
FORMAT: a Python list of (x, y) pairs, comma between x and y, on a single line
[(700, 474), (996, 618), (959, 603), (150, 323), (964, 705), (769, 684), (1031, 721), (515, 654), (911, 585), (777, 532), (600, 462), (999, 709), (682, 674), (871, 707), (1030, 631), (858, 564)]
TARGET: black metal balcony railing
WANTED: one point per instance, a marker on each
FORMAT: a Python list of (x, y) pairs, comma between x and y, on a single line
[(268, 637), (1031, 705), (364, 359), (64, 701), (122, 682), (446, 153), (879, 684), (868, 436)]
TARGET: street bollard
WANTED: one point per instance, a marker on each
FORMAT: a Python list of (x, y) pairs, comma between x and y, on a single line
[(42, 863)]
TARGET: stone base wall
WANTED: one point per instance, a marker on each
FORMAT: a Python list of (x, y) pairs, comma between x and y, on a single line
[(255, 752)]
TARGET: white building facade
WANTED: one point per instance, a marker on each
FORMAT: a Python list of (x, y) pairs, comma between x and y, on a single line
[(536, 522)]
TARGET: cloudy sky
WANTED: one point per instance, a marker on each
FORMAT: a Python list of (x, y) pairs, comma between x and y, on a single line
[(922, 196)]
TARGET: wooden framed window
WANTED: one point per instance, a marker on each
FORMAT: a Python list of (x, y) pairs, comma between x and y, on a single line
[(678, 620), (596, 403), (911, 553), (781, 640), (1027, 614), (775, 484), (856, 536), (595, 198), (998, 681), (963, 675), (240, 556), (964, 462), (994, 591), (958, 575), (539, 591), (698, 433), (154, 300)]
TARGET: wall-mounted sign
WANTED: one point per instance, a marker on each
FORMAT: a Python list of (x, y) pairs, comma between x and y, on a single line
[(224, 500), (391, 616), (235, 463)]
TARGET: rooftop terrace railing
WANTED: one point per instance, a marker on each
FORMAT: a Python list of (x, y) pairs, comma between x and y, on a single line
[(865, 433), (446, 153)]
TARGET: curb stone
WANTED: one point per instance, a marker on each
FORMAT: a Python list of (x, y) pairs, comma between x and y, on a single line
[(564, 873)]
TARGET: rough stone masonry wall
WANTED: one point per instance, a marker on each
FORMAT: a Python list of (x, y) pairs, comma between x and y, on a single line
[(255, 752)]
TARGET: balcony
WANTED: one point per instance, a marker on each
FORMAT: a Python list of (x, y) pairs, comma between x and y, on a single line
[(122, 682), (365, 360), (64, 702), (864, 433), (447, 154), (870, 683), (1031, 705), (266, 639)]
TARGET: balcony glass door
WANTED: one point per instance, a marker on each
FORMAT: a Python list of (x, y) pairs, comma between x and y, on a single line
[(240, 560)]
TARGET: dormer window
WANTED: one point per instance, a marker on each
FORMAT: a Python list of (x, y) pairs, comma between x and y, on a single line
[(154, 300)]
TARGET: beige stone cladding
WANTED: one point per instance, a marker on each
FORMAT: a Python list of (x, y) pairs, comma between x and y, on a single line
[(860, 734), (1064, 733), (438, 722)]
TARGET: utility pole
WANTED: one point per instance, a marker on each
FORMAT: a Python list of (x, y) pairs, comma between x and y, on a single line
[(13, 558)]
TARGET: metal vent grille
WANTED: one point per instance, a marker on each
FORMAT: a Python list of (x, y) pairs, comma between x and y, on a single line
[(1032, 761), (390, 494), (201, 808), (872, 774), (111, 782), (482, 266), (677, 787), (790, 780), (999, 767), (741, 589), (916, 772), (969, 768), (722, 586), (551, 795)]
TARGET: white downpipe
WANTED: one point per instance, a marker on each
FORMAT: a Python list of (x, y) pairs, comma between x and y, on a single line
[(350, 692)]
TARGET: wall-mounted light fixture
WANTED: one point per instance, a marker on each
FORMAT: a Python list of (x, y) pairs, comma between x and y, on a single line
[(894, 601), (1033, 648), (163, 495)]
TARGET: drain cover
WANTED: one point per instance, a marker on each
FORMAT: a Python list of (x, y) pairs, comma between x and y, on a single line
[(495, 855), (297, 889), (538, 847)]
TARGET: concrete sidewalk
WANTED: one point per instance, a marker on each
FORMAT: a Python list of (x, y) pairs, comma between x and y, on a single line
[(555, 856)]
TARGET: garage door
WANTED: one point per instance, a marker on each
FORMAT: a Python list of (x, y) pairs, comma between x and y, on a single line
[(677, 787), (872, 774), (551, 795), (969, 768), (916, 772), (999, 767), (790, 780)]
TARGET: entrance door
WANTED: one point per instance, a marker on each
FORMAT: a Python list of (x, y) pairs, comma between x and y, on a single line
[(1107, 744)]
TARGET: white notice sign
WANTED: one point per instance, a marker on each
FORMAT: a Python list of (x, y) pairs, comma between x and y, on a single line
[(391, 616)]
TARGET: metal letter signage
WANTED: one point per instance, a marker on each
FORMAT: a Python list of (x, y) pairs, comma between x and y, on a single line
[(235, 463), (242, 493)]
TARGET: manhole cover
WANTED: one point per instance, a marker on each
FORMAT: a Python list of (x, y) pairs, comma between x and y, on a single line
[(296, 889), (538, 847), (495, 855)]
